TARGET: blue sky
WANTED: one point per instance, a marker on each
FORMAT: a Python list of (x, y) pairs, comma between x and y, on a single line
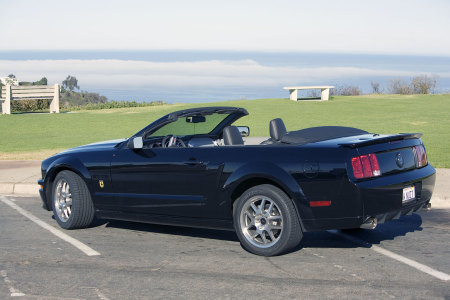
[(409, 29), (382, 27)]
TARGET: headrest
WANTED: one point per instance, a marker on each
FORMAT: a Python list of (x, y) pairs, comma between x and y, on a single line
[(232, 136), (277, 129)]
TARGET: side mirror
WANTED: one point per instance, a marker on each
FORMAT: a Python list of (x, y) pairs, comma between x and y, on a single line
[(244, 130), (136, 143)]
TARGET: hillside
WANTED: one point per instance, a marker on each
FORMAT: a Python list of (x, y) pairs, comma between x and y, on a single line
[(39, 135)]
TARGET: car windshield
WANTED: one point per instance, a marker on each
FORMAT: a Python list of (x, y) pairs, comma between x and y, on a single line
[(191, 125)]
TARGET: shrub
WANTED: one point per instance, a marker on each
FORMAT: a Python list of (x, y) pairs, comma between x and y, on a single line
[(399, 86), (421, 84), (29, 105), (70, 99), (345, 90), (116, 104)]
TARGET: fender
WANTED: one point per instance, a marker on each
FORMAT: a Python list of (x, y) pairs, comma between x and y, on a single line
[(68, 163), (269, 171), (63, 163)]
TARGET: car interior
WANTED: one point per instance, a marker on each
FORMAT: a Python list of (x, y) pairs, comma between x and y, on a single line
[(231, 136)]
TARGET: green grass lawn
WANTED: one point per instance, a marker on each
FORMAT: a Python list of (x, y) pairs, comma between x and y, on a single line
[(44, 134)]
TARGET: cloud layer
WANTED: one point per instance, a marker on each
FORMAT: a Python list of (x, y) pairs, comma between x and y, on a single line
[(104, 74)]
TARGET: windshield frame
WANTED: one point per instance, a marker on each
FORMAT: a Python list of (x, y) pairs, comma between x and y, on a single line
[(234, 113)]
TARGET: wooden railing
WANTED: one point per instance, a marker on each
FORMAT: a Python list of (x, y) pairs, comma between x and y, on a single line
[(12, 92)]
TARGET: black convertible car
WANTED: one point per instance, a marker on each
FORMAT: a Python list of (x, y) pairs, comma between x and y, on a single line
[(192, 168)]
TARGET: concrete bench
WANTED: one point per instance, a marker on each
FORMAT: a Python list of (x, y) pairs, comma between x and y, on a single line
[(293, 91), (12, 92)]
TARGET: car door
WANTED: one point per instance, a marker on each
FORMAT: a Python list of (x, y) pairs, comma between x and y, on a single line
[(164, 181)]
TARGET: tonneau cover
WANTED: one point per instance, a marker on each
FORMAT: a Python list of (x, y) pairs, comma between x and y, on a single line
[(318, 134)]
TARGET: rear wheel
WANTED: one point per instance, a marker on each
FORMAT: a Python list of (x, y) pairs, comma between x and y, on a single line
[(71, 201), (265, 221)]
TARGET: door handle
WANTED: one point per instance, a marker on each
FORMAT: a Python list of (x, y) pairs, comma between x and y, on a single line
[(192, 162)]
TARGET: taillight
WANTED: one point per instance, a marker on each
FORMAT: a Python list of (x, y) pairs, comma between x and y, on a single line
[(365, 166), (421, 156)]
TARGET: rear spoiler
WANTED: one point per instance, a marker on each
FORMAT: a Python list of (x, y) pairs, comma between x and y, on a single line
[(377, 139)]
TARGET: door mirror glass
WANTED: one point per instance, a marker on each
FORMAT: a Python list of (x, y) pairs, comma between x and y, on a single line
[(136, 143), (244, 130)]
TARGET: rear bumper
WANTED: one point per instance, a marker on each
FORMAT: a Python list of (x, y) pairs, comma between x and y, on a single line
[(379, 198), (383, 196)]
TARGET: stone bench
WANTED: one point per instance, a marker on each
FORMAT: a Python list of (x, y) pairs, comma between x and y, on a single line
[(12, 92), (293, 91)]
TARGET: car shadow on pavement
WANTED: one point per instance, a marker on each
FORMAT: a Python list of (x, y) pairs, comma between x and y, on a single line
[(175, 230), (390, 230), (387, 231), (318, 239)]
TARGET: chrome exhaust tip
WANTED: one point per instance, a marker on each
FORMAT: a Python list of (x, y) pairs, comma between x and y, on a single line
[(427, 206), (369, 224)]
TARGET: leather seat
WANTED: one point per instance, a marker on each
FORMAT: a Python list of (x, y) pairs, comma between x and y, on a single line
[(277, 129), (232, 136)]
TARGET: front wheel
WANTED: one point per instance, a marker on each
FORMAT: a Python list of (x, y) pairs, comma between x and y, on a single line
[(71, 201), (266, 221)]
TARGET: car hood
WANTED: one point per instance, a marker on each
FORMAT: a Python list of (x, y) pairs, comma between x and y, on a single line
[(105, 145)]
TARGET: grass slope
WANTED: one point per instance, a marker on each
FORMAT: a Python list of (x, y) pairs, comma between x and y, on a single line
[(39, 135)]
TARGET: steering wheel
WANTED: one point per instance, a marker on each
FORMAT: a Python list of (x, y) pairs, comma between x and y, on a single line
[(171, 140)]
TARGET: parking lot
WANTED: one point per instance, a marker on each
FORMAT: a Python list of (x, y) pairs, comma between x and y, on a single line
[(406, 258)]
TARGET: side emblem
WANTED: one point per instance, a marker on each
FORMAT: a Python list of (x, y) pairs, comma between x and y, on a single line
[(101, 183)]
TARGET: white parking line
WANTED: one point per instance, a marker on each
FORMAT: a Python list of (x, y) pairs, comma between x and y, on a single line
[(14, 292), (74, 242), (423, 268)]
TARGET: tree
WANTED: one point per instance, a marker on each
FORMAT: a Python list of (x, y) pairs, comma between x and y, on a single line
[(42, 81), (423, 84), (11, 80), (375, 87), (70, 83)]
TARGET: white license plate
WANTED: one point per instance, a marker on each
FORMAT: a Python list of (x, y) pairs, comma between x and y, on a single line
[(409, 193)]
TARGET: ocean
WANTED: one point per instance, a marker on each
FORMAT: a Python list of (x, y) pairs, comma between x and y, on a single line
[(208, 76)]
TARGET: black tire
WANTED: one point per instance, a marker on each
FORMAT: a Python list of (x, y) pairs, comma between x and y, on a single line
[(251, 229), (71, 201)]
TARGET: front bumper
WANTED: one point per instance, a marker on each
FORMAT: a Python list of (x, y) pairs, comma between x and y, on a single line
[(43, 195)]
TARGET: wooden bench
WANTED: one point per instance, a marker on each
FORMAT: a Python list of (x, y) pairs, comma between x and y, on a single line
[(12, 92), (293, 91)]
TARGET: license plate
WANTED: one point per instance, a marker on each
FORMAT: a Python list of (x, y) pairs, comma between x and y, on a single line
[(409, 193)]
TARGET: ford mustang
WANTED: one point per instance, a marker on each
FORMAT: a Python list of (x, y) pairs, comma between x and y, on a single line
[(193, 168)]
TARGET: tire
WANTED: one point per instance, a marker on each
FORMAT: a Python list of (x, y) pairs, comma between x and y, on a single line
[(71, 201), (266, 221)]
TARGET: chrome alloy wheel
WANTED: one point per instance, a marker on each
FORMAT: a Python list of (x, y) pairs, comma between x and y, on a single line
[(261, 221), (63, 200)]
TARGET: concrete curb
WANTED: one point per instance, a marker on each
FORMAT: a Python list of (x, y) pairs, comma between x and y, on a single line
[(19, 189), (440, 203)]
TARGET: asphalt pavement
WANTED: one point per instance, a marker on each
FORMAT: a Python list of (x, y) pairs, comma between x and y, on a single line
[(405, 258)]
